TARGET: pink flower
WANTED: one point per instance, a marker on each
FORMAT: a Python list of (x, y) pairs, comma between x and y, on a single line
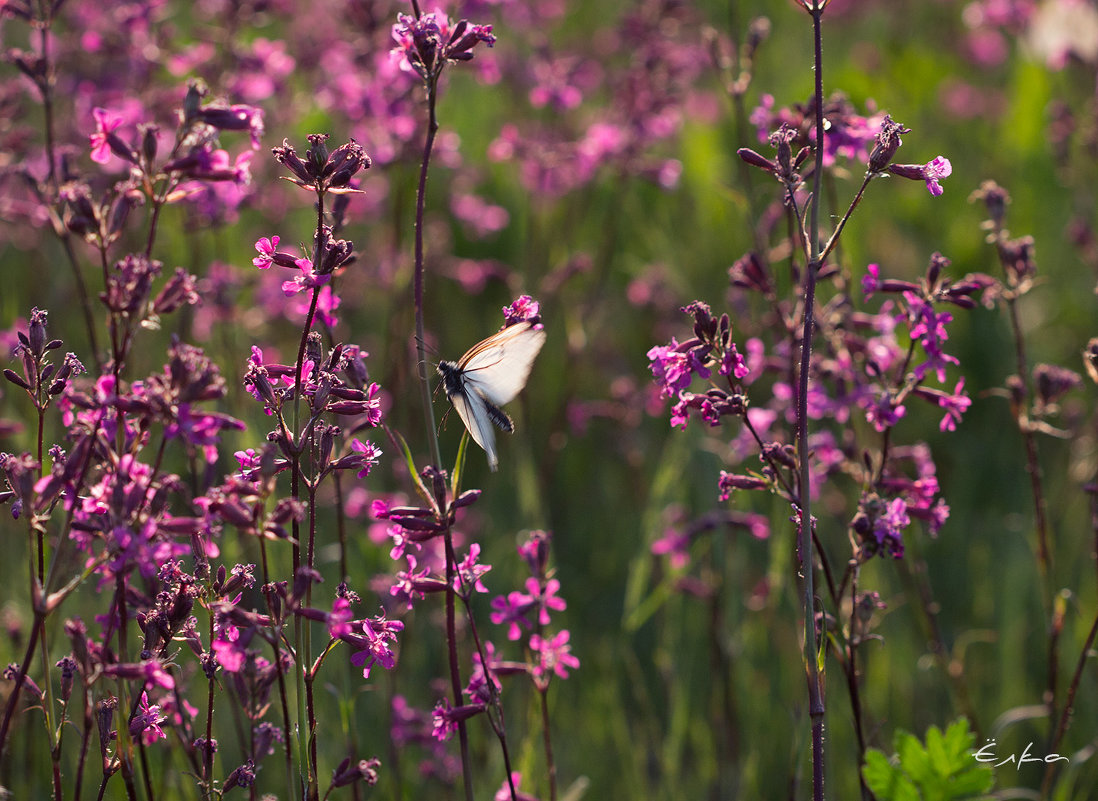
[(106, 123)]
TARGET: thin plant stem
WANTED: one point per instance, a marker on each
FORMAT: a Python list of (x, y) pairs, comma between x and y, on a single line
[(811, 655), (1069, 704)]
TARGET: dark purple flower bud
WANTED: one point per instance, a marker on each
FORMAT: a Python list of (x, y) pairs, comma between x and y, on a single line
[(467, 498), (11, 673), (756, 160), (345, 162), (782, 141), (995, 199), (348, 772), (14, 378), (233, 118), (148, 132), (182, 288), (749, 272), (244, 776), (30, 64), (327, 443), (22, 473), (938, 262), (336, 254), (68, 674), (287, 156), (1052, 383), (77, 633), (1019, 259), (81, 216), (124, 203), (304, 577), (317, 155), (463, 43), (888, 142), (204, 746), (37, 335), (104, 716), (264, 736)]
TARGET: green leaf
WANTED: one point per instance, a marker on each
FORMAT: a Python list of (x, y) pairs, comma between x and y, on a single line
[(942, 770)]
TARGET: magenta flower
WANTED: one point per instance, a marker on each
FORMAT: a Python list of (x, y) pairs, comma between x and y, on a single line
[(229, 650), (553, 656), (326, 304), (675, 545), (307, 280), (871, 281), (339, 619), (889, 526), (267, 246), (512, 610), (937, 170), (524, 309), (955, 405), (146, 722), (932, 172), (375, 647), (469, 571), (106, 123)]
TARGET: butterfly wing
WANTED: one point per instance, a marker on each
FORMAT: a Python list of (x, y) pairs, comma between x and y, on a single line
[(474, 413), (498, 367)]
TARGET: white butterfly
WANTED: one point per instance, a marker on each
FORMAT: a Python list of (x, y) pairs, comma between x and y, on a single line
[(490, 374)]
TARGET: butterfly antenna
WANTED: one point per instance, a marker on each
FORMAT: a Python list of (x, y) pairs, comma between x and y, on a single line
[(426, 345)]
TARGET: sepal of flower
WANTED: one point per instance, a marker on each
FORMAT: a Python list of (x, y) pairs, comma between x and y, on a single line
[(150, 671), (553, 656), (351, 401), (466, 498), (730, 481), (873, 283), (208, 163), (233, 118)]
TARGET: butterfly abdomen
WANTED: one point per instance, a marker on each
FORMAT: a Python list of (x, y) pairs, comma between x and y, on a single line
[(502, 420)]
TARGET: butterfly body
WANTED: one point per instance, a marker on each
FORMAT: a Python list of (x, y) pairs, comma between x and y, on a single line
[(490, 374)]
